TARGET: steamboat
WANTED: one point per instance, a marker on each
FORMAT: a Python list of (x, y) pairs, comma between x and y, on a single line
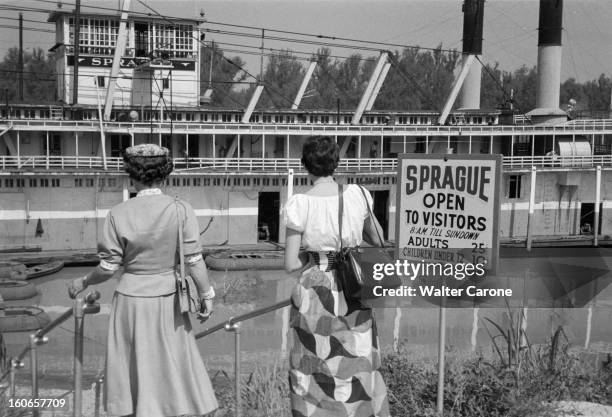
[(61, 165)]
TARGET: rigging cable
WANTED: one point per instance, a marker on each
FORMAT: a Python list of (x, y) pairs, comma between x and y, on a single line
[(505, 93)]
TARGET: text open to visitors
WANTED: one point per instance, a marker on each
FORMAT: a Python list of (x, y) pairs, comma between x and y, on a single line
[(447, 209)]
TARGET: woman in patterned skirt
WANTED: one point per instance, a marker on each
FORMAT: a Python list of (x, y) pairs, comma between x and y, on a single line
[(335, 358), (153, 366)]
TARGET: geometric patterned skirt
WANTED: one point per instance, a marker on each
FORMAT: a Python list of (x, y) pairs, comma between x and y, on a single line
[(335, 358)]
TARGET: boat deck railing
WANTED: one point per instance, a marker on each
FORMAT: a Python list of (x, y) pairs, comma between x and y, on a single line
[(278, 165), (580, 126), (82, 305)]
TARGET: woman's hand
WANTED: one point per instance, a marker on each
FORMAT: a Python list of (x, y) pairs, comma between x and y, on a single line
[(77, 286), (206, 310)]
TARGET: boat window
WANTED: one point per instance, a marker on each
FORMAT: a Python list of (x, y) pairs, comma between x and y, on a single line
[(217, 181), (514, 186), (89, 182), (420, 145), (141, 38), (176, 182), (8, 182), (485, 144), (197, 182), (186, 182), (206, 182), (33, 182), (78, 182)]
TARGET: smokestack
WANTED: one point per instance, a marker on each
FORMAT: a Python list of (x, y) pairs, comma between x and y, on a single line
[(473, 14), (549, 60)]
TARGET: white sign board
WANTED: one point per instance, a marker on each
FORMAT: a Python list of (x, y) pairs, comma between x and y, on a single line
[(448, 208)]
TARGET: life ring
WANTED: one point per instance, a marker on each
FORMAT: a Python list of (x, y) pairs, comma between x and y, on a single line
[(13, 270), (17, 290), (41, 270), (22, 319)]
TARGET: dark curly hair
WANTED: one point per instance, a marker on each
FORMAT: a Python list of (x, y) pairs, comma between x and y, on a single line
[(148, 169), (320, 156)]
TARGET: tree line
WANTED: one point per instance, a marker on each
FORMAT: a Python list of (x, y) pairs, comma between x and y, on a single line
[(418, 80)]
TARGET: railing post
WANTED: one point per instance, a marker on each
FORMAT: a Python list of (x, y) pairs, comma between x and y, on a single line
[(235, 327), (34, 370), (99, 382), (82, 306), (15, 364), (78, 356)]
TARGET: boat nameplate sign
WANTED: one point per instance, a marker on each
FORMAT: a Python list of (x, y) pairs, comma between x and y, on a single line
[(103, 62), (448, 209)]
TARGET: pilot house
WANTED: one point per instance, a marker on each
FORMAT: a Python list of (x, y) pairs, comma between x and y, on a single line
[(159, 58)]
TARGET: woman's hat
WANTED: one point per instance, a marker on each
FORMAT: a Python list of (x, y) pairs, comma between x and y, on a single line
[(147, 149)]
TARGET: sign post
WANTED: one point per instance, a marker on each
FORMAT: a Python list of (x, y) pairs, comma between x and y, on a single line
[(448, 213)]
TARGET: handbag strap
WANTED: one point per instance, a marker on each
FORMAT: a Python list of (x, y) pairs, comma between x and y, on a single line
[(181, 278), (340, 209), (382, 244)]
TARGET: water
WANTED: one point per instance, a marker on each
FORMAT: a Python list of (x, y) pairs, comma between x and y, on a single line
[(264, 340)]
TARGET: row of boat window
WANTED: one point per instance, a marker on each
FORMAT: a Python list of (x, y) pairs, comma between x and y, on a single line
[(32, 182), (236, 117), (513, 185), (184, 182)]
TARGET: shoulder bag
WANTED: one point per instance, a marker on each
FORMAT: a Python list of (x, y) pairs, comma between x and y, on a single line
[(186, 289), (355, 266)]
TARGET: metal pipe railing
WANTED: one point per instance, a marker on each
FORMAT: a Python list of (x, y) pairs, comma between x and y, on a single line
[(246, 316), (82, 306), (230, 325), (233, 325)]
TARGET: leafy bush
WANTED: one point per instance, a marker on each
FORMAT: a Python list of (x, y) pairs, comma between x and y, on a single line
[(516, 379)]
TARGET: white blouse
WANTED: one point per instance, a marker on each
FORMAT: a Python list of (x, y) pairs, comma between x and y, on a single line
[(316, 217)]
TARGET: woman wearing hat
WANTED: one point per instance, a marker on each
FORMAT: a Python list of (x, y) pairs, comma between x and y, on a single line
[(153, 366)]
